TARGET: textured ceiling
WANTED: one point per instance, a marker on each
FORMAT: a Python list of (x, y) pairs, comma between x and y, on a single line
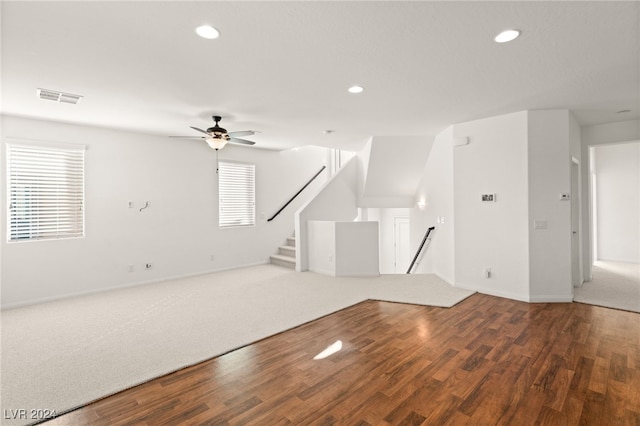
[(283, 67)]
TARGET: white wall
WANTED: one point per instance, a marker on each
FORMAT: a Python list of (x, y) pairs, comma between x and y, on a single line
[(492, 234), (617, 169), (549, 167), (343, 248), (357, 249), (362, 157), (335, 201), (436, 191), (372, 214), (393, 169), (321, 246), (178, 232)]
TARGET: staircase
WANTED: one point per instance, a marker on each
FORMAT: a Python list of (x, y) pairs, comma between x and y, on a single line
[(286, 254)]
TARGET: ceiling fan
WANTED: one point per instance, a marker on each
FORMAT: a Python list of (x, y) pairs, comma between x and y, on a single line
[(217, 137)]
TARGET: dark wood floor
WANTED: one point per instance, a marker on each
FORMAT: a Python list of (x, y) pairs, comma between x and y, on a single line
[(485, 361)]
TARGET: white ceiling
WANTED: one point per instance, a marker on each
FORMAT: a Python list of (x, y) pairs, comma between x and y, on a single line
[(283, 68)]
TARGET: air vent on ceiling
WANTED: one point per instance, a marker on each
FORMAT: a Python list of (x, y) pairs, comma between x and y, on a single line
[(53, 95)]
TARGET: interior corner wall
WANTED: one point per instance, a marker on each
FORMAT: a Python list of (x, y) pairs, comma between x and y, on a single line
[(436, 191), (178, 233), (617, 169), (492, 235), (362, 158), (549, 175)]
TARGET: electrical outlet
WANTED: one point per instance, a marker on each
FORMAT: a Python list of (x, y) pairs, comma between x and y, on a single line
[(130, 268), (212, 257), (487, 273), (148, 265)]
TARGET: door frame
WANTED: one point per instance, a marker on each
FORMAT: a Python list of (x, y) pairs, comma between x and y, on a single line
[(577, 276)]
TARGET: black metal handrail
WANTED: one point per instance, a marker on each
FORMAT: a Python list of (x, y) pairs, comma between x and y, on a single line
[(424, 240), (297, 193)]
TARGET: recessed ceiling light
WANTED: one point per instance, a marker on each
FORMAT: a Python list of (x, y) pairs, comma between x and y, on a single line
[(507, 36), (207, 31), (355, 89)]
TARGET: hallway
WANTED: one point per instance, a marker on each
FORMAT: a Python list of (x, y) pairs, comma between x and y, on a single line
[(614, 285)]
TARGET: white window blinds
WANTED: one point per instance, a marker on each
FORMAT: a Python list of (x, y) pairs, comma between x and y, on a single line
[(236, 189), (45, 191)]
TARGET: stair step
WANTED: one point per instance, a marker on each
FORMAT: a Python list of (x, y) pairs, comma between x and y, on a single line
[(286, 261), (291, 241), (287, 251)]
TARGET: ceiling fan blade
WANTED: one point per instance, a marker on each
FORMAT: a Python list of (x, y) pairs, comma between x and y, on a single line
[(241, 133), (199, 130), (188, 137), (241, 141)]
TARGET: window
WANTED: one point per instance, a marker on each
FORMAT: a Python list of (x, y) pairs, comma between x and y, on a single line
[(236, 189), (45, 192)]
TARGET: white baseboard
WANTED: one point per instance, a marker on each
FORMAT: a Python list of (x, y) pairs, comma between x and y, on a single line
[(446, 280), (123, 286), (506, 295), (555, 298), (625, 260), (541, 298), (322, 271)]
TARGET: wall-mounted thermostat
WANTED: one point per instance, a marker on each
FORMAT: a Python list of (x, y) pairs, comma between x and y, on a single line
[(489, 197), (539, 224)]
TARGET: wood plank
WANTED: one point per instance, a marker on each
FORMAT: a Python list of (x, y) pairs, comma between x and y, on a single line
[(485, 361)]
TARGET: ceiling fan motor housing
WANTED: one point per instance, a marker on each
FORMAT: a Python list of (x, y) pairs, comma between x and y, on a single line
[(218, 131)]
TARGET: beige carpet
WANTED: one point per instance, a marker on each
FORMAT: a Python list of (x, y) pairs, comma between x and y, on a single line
[(614, 285), (65, 354)]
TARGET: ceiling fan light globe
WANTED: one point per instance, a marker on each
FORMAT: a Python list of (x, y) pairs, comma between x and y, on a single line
[(216, 143)]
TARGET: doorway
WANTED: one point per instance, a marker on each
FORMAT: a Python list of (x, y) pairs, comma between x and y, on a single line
[(613, 269), (615, 193)]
